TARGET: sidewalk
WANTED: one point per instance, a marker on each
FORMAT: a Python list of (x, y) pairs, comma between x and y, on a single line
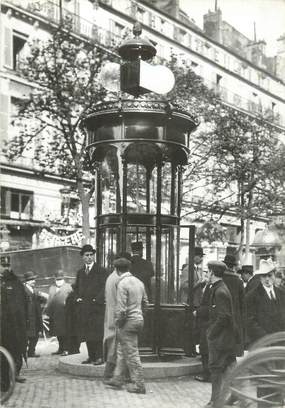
[(46, 387)]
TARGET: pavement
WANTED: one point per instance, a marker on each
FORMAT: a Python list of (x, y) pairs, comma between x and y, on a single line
[(47, 387)]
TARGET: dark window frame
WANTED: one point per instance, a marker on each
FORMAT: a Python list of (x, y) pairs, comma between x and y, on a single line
[(20, 195)]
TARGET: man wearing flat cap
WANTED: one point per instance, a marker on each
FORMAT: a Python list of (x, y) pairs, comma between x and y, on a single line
[(142, 268), (221, 333), (89, 293), (13, 321), (131, 299), (110, 329), (265, 304)]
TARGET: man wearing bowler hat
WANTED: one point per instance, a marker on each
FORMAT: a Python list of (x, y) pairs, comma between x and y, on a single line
[(265, 304), (250, 281), (35, 321), (221, 333), (89, 293), (13, 321), (141, 268)]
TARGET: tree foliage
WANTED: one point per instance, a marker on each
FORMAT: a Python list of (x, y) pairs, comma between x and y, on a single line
[(64, 73), (236, 159)]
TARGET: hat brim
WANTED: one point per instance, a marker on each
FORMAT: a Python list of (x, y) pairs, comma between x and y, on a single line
[(31, 278), (258, 272)]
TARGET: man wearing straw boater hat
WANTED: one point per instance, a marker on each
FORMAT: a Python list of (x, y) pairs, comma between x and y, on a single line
[(265, 304)]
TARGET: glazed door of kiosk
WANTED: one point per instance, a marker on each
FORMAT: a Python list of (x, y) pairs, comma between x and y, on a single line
[(174, 312)]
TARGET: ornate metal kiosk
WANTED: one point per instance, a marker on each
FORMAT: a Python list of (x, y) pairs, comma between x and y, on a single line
[(138, 148)]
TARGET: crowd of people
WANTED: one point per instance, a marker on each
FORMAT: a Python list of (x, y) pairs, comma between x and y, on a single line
[(232, 308)]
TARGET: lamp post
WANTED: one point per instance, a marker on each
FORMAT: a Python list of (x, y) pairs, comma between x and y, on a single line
[(65, 202)]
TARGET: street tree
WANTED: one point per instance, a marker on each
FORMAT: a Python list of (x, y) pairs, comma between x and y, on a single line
[(64, 72), (236, 159)]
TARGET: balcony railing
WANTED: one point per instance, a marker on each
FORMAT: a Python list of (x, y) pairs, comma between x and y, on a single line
[(248, 105), (52, 12)]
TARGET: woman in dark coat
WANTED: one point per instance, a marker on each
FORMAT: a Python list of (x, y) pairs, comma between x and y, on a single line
[(89, 289)]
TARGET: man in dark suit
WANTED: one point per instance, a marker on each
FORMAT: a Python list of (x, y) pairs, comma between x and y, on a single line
[(235, 286), (265, 304), (89, 289), (202, 319), (35, 321), (13, 321), (141, 268), (221, 334), (250, 281)]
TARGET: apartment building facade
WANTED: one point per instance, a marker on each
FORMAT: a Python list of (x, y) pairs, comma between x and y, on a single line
[(32, 201)]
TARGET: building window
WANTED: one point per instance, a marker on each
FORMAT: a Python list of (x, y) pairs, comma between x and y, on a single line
[(218, 79), (16, 203), (19, 41), (140, 14), (118, 29)]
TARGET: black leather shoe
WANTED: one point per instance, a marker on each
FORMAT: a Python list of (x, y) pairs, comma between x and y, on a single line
[(88, 361), (20, 379), (200, 378), (57, 352)]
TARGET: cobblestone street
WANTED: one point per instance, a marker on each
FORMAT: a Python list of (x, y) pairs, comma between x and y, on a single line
[(46, 387)]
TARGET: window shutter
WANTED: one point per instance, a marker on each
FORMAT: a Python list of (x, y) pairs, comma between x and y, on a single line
[(4, 116), (8, 47)]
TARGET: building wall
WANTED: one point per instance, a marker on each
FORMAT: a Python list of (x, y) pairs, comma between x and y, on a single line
[(240, 82)]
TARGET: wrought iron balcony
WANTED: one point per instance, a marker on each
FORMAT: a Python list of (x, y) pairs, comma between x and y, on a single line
[(53, 12)]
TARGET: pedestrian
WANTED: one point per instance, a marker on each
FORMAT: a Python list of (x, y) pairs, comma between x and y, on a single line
[(202, 318), (279, 279), (199, 282), (131, 300), (35, 300), (13, 321), (110, 330), (249, 280), (73, 342), (265, 304), (89, 289), (142, 268), (221, 333), (56, 311), (235, 286)]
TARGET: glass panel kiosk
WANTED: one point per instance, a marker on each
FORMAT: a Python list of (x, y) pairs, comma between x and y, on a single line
[(138, 149)]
